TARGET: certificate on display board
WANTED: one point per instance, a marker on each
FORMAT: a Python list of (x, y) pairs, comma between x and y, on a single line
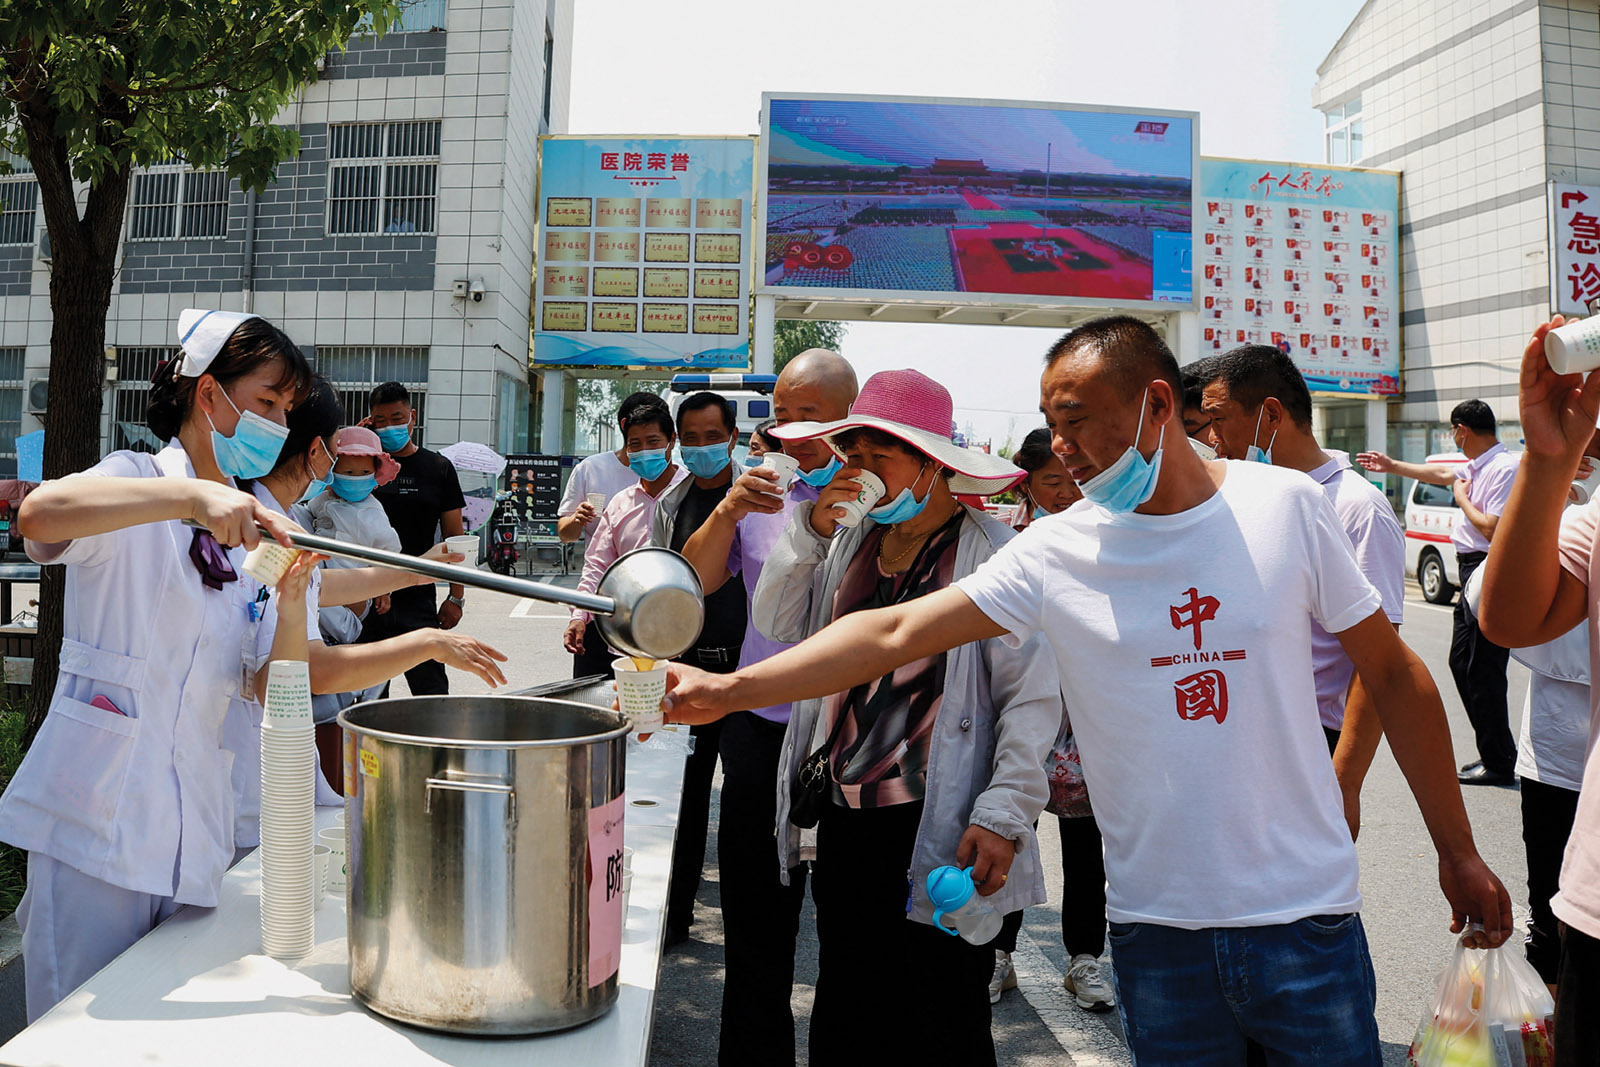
[(645, 245), (1305, 258)]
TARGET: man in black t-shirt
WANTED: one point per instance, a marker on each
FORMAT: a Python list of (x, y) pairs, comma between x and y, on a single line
[(706, 435), (424, 505)]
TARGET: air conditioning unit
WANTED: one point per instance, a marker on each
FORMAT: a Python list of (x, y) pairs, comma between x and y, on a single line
[(38, 395)]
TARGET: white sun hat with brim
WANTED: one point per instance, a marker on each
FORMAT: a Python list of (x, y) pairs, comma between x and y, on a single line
[(913, 408)]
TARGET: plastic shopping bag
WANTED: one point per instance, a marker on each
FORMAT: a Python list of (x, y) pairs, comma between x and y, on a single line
[(1069, 796), (1490, 1010)]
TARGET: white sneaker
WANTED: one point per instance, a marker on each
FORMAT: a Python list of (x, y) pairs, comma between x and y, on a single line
[(1085, 982), (1005, 976)]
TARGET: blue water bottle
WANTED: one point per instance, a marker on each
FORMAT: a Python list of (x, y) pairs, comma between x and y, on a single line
[(955, 896)]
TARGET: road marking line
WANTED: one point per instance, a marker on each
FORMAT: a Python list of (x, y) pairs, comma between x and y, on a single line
[(1090, 1040), (524, 610)]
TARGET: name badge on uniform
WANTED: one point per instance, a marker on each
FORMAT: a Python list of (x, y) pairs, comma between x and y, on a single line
[(257, 610)]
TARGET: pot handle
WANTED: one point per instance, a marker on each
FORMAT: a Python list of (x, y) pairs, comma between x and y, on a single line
[(471, 787)]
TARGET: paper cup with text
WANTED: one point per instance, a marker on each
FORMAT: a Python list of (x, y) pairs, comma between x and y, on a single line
[(464, 545), (872, 490), (321, 855), (784, 464), (338, 872), (639, 693), (1571, 349), (269, 561), (596, 501), (288, 697)]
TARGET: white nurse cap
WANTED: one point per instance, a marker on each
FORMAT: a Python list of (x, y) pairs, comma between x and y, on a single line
[(202, 335)]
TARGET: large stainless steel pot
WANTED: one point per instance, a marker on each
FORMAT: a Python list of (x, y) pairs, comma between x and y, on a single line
[(469, 858)]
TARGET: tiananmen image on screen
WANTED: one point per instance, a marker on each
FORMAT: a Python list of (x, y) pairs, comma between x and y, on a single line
[(866, 194)]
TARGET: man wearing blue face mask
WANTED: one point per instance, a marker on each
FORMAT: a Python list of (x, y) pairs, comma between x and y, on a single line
[(707, 430), (624, 525), (424, 504), (1256, 393), (1177, 604)]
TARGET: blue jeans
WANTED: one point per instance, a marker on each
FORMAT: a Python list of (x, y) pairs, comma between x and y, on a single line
[(1304, 991)]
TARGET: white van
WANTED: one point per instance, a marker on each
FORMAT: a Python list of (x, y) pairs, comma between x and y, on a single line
[(1431, 517)]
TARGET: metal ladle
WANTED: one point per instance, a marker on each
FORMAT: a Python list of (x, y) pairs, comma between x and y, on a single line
[(649, 602)]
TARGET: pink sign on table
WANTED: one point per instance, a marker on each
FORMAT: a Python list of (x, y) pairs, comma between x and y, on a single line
[(605, 889)]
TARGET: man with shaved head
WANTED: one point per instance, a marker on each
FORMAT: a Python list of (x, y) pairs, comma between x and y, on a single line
[(761, 915), (1177, 601)]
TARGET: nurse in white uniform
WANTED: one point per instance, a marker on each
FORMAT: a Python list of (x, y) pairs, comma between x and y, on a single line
[(306, 459), (123, 802)]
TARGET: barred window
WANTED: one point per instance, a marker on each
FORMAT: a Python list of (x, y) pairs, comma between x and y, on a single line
[(19, 200), (172, 201), (11, 364), (353, 371), (135, 367), (418, 16), (383, 178)]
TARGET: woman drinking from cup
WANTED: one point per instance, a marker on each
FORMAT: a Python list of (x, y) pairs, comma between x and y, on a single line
[(941, 762), (123, 802)]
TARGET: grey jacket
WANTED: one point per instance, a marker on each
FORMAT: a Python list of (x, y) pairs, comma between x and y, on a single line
[(1001, 711), (666, 513)]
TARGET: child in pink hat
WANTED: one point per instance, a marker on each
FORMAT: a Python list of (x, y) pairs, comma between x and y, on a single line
[(346, 511)]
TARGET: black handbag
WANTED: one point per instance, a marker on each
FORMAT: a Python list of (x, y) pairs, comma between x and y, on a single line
[(812, 782)]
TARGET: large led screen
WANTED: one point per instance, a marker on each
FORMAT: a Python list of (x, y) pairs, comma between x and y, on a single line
[(880, 196)]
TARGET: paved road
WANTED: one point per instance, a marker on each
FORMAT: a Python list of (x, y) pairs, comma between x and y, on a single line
[(1405, 915)]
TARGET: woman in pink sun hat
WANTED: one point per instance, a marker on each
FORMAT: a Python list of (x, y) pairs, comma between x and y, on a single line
[(938, 763)]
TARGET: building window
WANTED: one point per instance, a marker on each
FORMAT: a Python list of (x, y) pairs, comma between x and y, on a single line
[(171, 201), (419, 16), (19, 200), (1342, 133), (511, 423), (549, 70), (383, 178), (11, 363), (353, 370), (135, 368)]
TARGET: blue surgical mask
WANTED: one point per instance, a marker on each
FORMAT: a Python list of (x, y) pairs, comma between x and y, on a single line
[(904, 507), (1128, 482), (648, 464), (1038, 512), (319, 484), (252, 450), (706, 461), (394, 438), (822, 475), (752, 461), (1254, 454), (354, 487)]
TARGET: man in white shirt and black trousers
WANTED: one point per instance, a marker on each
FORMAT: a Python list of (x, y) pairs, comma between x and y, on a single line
[(1178, 602)]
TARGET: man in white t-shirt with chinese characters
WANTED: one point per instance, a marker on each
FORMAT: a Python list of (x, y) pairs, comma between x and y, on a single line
[(1178, 602)]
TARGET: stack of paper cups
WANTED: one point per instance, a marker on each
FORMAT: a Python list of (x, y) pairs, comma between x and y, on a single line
[(288, 798)]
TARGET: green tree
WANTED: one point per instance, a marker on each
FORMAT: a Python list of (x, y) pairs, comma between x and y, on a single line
[(790, 337), (89, 90)]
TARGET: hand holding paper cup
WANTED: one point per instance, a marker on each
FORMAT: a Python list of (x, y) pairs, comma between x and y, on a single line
[(852, 511), (641, 686), (784, 464), (464, 545)]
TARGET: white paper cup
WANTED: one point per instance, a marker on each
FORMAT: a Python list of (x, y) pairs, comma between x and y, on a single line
[(596, 501), (872, 490), (1584, 489), (338, 871), (1572, 349), (288, 696), (627, 860), (639, 693), (464, 544), (784, 464), (320, 856), (269, 561), (627, 891)]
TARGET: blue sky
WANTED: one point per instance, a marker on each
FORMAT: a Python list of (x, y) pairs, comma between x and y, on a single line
[(700, 66)]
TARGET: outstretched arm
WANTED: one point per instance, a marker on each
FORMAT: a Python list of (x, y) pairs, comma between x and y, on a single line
[(1528, 597), (858, 648), (1383, 463), (1413, 718)]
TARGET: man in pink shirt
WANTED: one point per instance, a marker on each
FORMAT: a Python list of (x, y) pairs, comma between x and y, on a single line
[(1542, 578), (624, 525)]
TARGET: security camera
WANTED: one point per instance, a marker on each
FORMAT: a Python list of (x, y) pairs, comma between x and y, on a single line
[(477, 290)]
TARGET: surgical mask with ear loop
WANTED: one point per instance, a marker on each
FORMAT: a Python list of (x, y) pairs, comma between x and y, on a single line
[(251, 451), (905, 506), (1254, 454), (1131, 480)]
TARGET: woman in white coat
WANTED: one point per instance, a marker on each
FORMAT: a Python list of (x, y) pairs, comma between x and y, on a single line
[(123, 802)]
